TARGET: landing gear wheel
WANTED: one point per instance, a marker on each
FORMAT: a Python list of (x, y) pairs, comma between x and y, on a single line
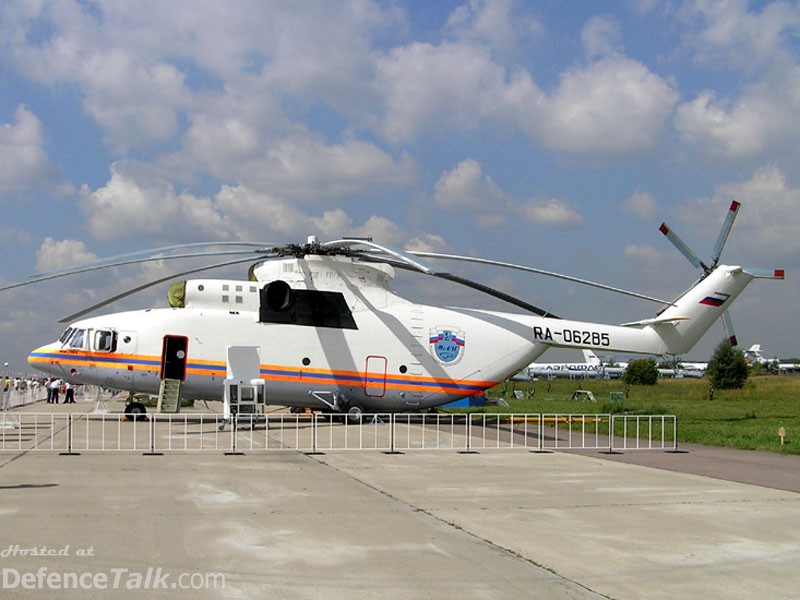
[(354, 414), (135, 411)]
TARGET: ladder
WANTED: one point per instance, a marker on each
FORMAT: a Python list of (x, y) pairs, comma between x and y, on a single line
[(169, 396)]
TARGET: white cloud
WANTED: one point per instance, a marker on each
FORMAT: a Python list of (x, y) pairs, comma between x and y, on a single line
[(446, 86), (602, 37), (466, 188), (428, 243), (24, 163), (131, 206), (643, 256), (762, 121), (735, 36), (551, 212), (132, 94), (307, 168), (266, 217), (126, 208), (136, 104), (642, 205), (493, 22), (766, 229), (146, 69), (54, 254), (613, 106)]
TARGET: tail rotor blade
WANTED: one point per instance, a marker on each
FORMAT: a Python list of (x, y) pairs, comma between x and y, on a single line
[(723, 234), (682, 247), (727, 323)]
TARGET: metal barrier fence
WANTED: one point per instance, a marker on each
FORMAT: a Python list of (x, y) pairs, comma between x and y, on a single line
[(12, 398), (72, 433)]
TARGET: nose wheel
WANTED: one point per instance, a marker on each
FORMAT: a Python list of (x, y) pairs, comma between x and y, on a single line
[(135, 411)]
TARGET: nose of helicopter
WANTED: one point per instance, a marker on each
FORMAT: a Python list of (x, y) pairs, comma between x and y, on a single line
[(42, 358)]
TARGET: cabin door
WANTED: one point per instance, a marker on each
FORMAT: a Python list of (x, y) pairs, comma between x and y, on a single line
[(173, 357), (375, 376)]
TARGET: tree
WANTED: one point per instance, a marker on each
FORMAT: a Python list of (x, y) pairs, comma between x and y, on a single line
[(641, 372), (727, 369)]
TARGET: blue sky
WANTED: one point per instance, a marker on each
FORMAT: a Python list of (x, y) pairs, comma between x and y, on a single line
[(554, 134)]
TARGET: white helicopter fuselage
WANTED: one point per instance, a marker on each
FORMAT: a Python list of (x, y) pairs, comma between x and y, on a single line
[(330, 334)]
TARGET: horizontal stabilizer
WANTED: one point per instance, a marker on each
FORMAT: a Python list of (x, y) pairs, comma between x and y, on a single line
[(655, 321)]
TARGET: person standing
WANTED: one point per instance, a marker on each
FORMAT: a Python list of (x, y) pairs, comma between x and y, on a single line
[(55, 385), (69, 393)]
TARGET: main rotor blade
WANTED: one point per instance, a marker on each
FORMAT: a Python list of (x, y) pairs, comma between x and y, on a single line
[(682, 247), (723, 234), (471, 284), (150, 253), (105, 264), (396, 254), (496, 293), (588, 282), (151, 284)]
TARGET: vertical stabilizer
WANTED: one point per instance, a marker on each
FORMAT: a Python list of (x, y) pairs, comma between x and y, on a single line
[(683, 324), (591, 358)]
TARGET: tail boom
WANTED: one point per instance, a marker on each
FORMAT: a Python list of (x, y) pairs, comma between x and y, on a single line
[(674, 331)]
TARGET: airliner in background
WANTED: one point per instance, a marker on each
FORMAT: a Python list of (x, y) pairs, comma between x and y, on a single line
[(593, 367), (753, 356)]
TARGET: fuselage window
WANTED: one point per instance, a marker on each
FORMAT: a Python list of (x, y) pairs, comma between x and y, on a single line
[(65, 336), (105, 341), (78, 339)]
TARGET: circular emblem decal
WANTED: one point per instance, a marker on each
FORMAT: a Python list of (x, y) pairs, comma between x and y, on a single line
[(447, 345)]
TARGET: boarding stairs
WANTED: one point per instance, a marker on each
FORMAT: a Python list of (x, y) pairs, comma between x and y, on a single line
[(169, 396)]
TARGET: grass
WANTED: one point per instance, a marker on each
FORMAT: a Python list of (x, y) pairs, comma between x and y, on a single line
[(749, 418)]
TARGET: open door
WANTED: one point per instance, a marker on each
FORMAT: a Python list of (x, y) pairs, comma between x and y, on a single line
[(375, 376), (173, 357)]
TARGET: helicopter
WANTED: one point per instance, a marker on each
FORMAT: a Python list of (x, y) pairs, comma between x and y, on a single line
[(322, 330)]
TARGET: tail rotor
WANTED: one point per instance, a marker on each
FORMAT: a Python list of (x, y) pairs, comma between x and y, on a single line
[(692, 257)]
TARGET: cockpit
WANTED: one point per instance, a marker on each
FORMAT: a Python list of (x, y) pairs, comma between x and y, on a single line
[(96, 340)]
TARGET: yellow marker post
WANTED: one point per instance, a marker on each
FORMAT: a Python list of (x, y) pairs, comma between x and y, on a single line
[(782, 434)]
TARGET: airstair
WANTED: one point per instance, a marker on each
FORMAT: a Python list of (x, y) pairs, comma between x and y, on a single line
[(169, 396)]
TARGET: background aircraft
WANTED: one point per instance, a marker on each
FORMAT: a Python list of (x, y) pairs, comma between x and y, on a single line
[(590, 367), (753, 356)]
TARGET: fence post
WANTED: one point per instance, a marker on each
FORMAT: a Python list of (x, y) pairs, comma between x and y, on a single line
[(392, 423), (69, 451), (314, 422), (468, 449), (151, 429), (234, 427)]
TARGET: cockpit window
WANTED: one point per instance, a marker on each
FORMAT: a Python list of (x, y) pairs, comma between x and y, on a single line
[(105, 340), (65, 336), (78, 339)]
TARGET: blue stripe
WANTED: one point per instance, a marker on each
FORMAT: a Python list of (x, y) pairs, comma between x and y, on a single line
[(108, 362)]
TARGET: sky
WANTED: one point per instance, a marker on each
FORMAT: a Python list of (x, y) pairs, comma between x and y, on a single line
[(555, 134)]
